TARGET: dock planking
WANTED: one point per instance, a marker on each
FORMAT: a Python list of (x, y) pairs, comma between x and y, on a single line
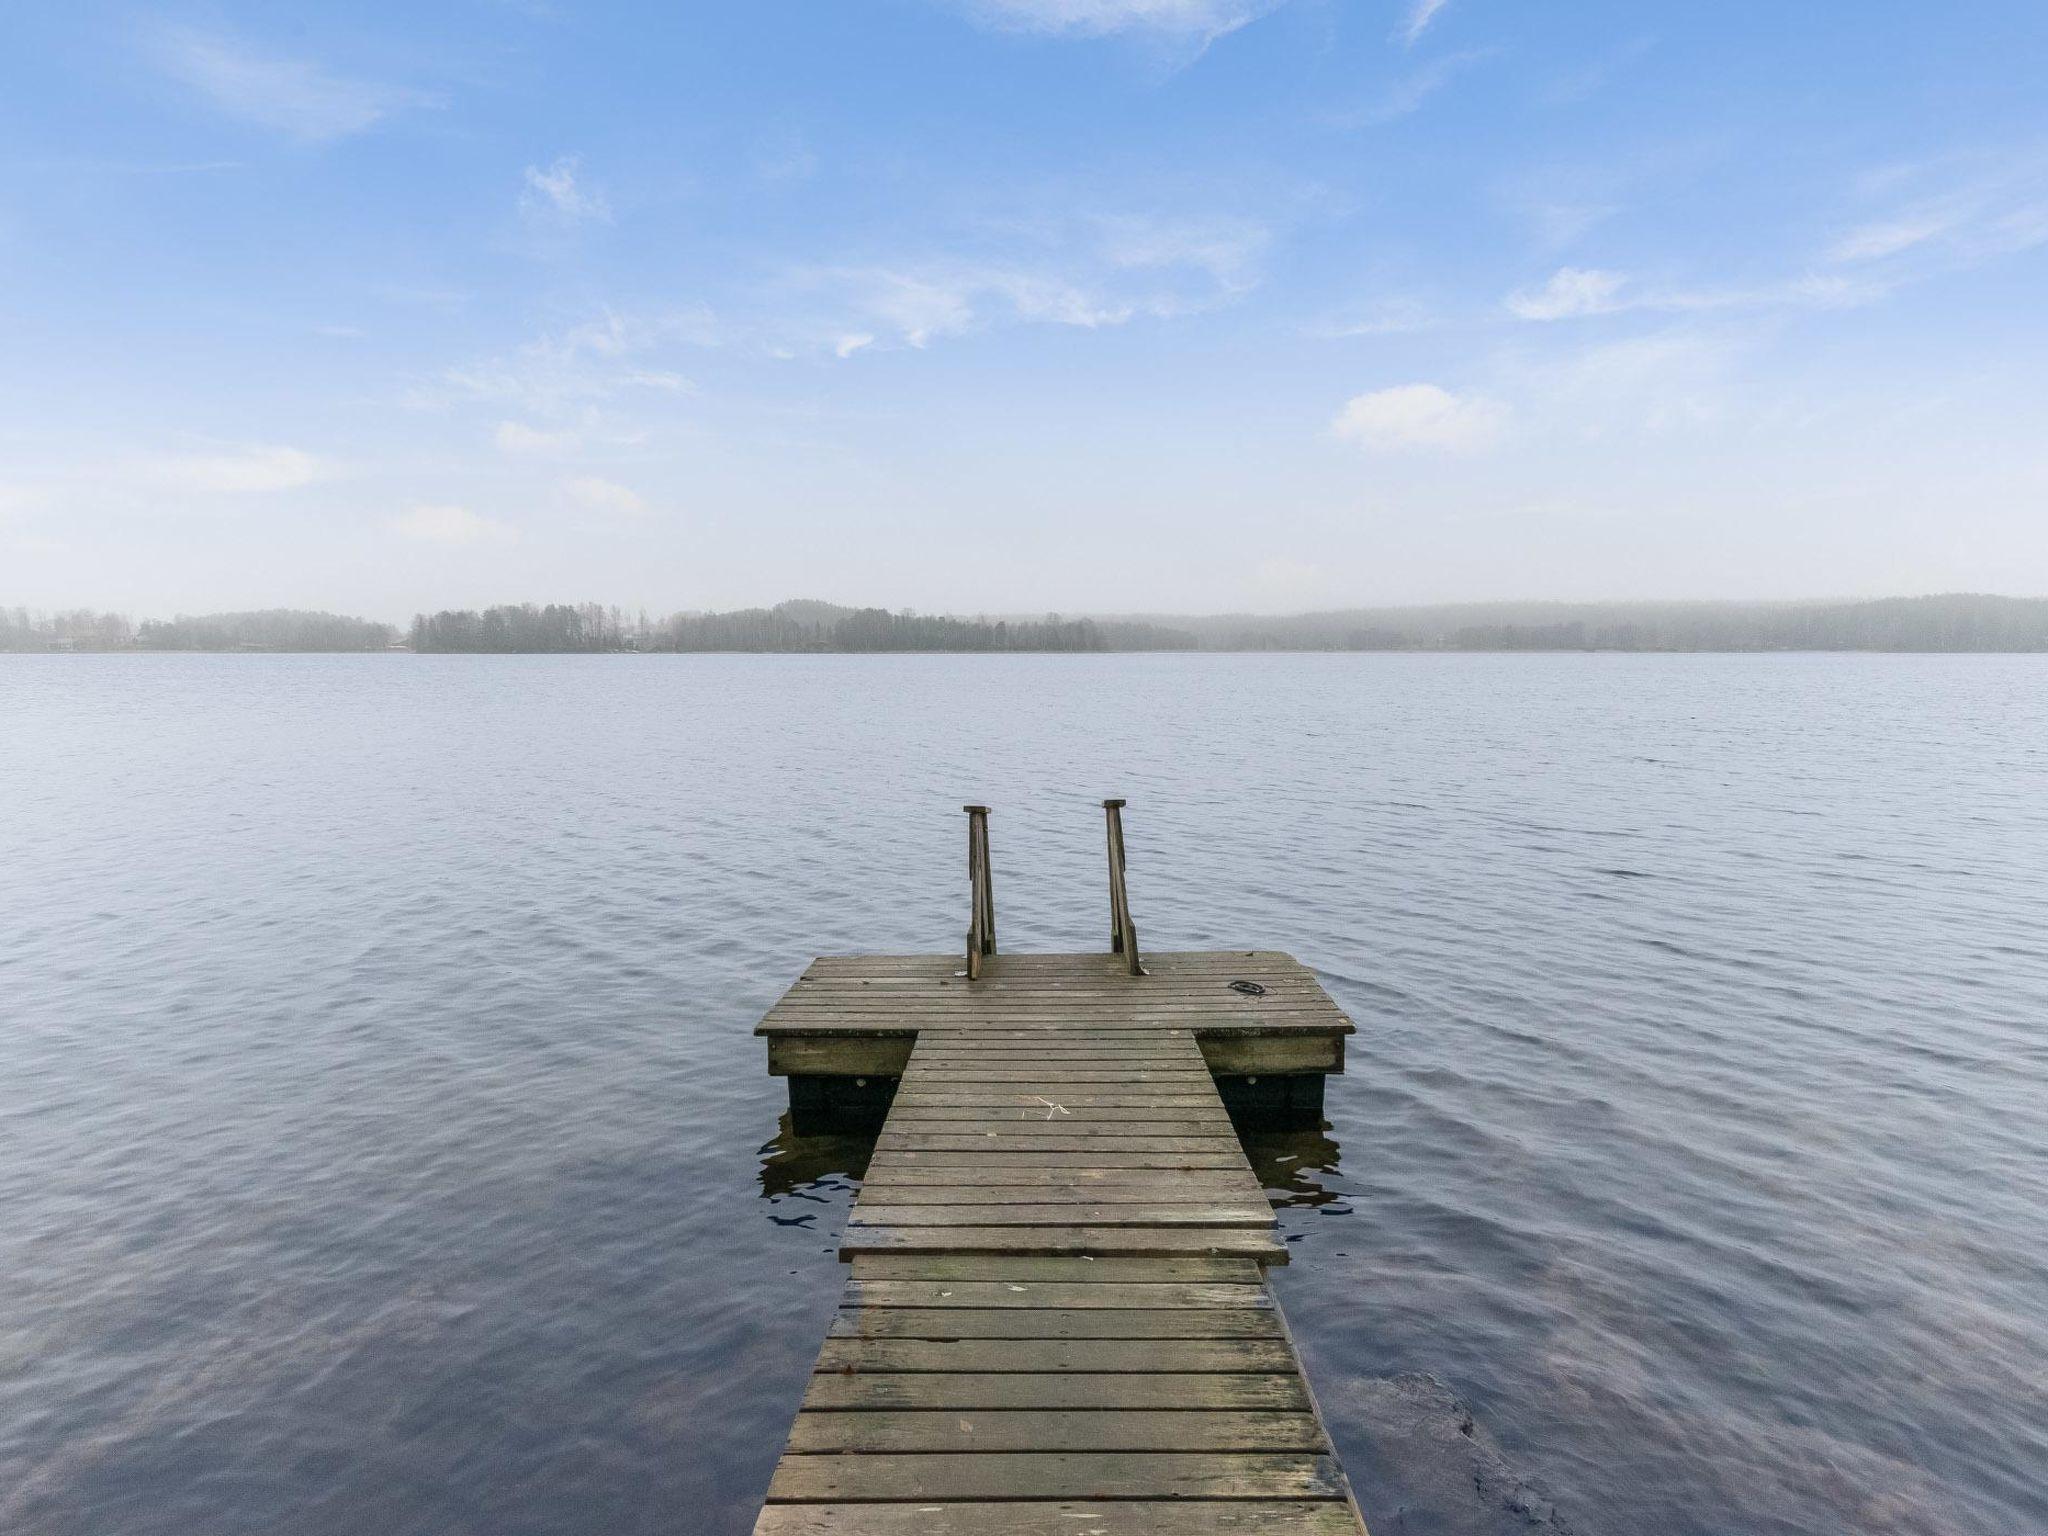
[(1057, 1317)]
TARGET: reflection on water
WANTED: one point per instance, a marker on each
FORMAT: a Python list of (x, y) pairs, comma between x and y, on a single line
[(823, 1171), (1297, 1168)]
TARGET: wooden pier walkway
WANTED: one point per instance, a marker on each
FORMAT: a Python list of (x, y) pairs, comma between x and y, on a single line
[(1058, 1318)]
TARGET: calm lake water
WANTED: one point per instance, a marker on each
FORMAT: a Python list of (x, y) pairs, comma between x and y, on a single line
[(383, 1146)]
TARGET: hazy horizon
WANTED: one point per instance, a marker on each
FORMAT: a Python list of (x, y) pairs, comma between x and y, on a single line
[(1095, 306), (658, 611)]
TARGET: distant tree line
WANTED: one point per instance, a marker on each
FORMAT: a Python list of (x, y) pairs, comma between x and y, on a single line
[(272, 629), (268, 629), (526, 628), (812, 626), (1954, 622), (79, 629)]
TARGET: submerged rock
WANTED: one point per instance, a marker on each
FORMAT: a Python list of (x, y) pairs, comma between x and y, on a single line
[(1426, 1468)]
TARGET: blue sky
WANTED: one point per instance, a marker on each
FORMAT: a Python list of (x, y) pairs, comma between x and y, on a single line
[(1014, 305)]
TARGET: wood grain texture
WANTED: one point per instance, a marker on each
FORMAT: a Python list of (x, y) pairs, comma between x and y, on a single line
[(1129, 1517), (834, 1392), (1005, 1430), (907, 1476)]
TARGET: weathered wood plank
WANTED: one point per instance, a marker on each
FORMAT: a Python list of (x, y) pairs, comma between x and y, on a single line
[(888, 1266), (888, 1159), (1056, 1475), (1128, 1517), (1052, 1123), (1237, 1242), (1051, 1111), (979, 1099), (1149, 1295), (1015, 1138), (866, 1057), (1189, 1213), (833, 1391), (900, 1025), (1056, 1323), (1001, 1430), (1305, 1053), (959, 1355), (1228, 1188), (1059, 1076), (963, 1180)]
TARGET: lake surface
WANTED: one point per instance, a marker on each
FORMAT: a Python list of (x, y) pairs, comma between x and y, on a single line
[(383, 1146)]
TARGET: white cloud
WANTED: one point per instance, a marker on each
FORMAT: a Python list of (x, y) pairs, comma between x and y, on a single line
[(557, 196), (1967, 211), (516, 437), (1411, 91), (1204, 20), (1411, 416), (1888, 237), (1420, 15), (1224, 251), (600, 360), (1571, 292), (1574, 293), (1674, 380), (919, 304), (1088, 272), (1559, 224), (444, 524), (603, 495), (290, 96), (237, 471)]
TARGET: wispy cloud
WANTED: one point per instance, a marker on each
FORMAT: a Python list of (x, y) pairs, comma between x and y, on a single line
[(236, 471), (1571, 292), (1888, 237), (1575, 293), (1420, 15), (1674, 379), (1088, 272), (447, 524), (1576, 85), (555, 194), (613, 355), (518, 439), (1955, 212), (1202, 20), (1419, 416), (1407, 94), (601, 495), (287, 95)]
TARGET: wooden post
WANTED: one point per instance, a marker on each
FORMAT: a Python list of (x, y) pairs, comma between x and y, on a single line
[(1123, 935), (981, 922)]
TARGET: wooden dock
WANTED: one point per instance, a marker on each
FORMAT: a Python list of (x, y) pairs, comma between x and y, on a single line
[(1057, 1318)]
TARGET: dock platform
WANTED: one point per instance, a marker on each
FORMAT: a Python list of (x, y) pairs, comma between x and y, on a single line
[(1057, 1318)]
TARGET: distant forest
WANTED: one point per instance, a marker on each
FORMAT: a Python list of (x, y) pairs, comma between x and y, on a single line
[(1952, 622), (1957, 622), (792, 626), (271, 629)]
